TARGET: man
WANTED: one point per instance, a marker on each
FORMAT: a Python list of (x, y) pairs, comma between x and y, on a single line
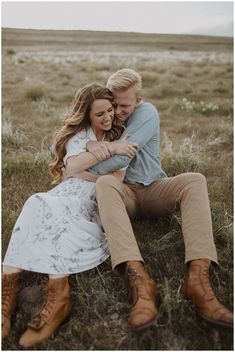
[(147, 191)]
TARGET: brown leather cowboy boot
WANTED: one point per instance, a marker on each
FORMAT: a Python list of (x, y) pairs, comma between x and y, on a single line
[(54, 310), (10, 289), (144, 293), (197, 289)]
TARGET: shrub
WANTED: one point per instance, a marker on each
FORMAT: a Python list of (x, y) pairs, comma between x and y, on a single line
[(185, 159), (45, 107), (167, 91), (221, 90), (35, 93), (226, 109), (10, 139), (10, 52), (205, 108), (149, 78)]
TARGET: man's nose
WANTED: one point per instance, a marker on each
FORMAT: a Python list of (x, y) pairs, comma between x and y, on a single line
[(118, 110)]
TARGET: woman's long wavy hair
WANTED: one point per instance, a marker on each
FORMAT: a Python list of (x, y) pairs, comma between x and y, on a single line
[(78, 119)]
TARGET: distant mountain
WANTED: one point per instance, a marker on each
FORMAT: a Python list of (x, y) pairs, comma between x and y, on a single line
[(225, 30)]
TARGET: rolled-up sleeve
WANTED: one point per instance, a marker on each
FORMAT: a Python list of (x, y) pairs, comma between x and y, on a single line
[(75, 145)]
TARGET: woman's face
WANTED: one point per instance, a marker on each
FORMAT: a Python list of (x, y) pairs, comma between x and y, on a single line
[(101, 115)]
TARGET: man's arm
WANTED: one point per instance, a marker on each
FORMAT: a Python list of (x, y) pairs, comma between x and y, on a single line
[(141, 129), (84, 160), (103, 150)]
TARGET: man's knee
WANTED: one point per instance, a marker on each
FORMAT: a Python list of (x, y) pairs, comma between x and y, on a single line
[(197, 177), (194, 182), (191, 178)]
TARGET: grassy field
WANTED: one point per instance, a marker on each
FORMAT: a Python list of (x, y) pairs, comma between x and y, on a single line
[(190, 80)]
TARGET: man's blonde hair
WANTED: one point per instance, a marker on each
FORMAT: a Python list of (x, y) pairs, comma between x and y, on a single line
[(125, 79)]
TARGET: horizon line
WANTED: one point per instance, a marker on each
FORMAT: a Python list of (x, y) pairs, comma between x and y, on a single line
[(112, 31)]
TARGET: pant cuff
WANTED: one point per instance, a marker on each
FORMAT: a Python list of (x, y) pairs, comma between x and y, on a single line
[(202, 256), (121, 260)]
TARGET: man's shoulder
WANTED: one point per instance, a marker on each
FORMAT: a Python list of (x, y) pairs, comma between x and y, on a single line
[(144, 112), (146, 107)]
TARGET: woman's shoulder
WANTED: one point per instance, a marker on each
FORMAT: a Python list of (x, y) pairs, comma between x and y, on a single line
[(82, 135)]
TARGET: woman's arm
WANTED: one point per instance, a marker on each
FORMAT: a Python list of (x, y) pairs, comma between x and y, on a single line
[(86, 175), (79, 163)]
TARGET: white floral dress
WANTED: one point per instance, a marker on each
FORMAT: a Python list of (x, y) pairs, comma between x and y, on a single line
[(60, 232)]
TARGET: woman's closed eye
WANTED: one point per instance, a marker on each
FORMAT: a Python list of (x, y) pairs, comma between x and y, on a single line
[(99, 114)]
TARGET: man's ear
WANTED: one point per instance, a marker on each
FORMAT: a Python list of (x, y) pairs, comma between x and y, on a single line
[(138, 99)]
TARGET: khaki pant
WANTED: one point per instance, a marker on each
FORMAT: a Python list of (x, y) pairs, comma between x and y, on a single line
[(118, 202)]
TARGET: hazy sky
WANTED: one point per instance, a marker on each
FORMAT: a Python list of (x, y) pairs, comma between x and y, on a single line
[(205, 17)]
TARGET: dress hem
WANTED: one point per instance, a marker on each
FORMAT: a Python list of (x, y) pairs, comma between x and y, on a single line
[(82, 269)]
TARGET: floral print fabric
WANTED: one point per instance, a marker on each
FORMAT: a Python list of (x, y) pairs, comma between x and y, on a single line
[(59, 232)]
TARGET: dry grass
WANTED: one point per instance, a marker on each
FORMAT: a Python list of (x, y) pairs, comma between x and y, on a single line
[(195, 137)]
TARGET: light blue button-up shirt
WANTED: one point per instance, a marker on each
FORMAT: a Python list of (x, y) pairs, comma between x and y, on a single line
[(145, 167)]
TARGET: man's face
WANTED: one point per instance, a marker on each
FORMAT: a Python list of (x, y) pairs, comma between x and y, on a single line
[(125, 103)]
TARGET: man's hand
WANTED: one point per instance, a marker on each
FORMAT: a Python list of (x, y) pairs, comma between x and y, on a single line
[(123, 147), (104, 150), (99, 150)]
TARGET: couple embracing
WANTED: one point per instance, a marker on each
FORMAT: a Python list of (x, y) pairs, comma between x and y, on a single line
[(107, 166)]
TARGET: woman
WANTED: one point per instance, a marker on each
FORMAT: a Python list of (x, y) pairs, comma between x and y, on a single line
[(59, 232)]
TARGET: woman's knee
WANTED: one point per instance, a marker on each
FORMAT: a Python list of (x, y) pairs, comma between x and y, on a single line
[(33, 198)]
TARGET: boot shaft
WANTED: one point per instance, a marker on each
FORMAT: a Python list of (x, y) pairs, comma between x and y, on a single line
[(199, 270), (59, 287), (197, 288), (10, 286), (56, 303), (55, 309), (11, 280), (10, 289), (138, 268), (140, 282), (195, 266), (144, 294), (57, 294)]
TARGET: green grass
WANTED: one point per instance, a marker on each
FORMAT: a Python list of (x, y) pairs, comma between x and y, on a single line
[(193, 139)]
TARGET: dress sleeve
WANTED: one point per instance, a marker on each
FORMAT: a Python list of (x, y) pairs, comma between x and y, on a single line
[(76, 145)]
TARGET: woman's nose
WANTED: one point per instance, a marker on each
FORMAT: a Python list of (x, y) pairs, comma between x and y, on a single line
[(108, 116)]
